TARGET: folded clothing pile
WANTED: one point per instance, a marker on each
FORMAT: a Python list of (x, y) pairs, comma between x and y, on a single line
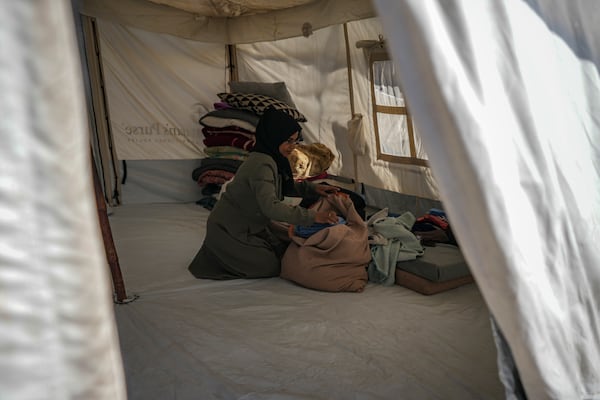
[(433, 227)]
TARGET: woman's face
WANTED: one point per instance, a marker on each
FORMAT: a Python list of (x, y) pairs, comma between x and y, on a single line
[(286, 147)]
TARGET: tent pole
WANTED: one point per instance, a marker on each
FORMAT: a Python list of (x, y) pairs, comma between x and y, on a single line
[(109, 244), (232, 62), (98, 114), (352, 110)]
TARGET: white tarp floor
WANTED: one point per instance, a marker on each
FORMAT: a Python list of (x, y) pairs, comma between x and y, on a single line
[(186, 338)]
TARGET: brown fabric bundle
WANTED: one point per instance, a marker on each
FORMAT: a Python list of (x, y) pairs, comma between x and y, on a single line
[(333, 259)]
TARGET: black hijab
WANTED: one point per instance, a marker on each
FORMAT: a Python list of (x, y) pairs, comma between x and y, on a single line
[(274, 128)]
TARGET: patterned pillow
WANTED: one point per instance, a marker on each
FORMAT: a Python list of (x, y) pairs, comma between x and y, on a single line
[(258, 103), (277, 90)]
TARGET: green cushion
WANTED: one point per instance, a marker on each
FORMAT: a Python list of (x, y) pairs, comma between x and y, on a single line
[(439, 263)]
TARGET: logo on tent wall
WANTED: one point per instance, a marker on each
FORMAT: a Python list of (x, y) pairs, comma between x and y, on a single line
[(160, 133)]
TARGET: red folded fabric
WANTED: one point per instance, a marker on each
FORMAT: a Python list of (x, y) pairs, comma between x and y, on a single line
[(229, 139), (434, 219)]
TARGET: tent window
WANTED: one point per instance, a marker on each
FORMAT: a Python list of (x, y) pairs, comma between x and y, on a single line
[(397, 139)]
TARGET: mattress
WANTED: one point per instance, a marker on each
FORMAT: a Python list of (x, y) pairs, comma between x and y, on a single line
[(440, 263)]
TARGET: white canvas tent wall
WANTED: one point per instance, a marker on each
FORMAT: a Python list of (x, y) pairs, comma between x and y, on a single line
[(317, 71), (541, 281)]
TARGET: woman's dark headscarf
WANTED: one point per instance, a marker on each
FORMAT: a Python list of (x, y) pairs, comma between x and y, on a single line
[(274, 128)]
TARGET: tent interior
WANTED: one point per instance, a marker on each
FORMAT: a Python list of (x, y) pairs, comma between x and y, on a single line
[(426, 109), (182, 337)]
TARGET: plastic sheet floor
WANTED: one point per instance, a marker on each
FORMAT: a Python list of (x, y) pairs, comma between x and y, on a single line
[(186, 338)]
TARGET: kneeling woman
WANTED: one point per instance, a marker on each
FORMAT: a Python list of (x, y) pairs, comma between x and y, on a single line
[(239, 242)]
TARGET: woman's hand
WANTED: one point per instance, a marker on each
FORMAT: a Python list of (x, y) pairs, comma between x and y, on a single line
[(326, 217), (326, 190)]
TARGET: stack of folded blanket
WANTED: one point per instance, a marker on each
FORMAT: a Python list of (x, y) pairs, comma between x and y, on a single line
[(229, 131)]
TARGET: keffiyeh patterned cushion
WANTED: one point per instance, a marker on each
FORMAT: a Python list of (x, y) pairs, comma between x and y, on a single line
[(258, 103)]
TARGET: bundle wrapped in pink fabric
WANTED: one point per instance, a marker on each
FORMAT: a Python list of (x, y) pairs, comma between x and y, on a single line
[(333, 259)]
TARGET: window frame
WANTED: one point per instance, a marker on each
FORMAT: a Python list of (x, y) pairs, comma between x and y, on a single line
[(374, 57)]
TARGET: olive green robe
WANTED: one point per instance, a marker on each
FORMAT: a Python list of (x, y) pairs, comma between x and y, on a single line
[(239, 242)]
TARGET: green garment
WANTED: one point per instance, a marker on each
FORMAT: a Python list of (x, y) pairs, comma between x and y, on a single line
[(402, 245), (239, 243)]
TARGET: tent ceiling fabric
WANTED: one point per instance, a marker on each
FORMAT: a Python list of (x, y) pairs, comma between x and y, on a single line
[(228, 8), (216, 22)]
